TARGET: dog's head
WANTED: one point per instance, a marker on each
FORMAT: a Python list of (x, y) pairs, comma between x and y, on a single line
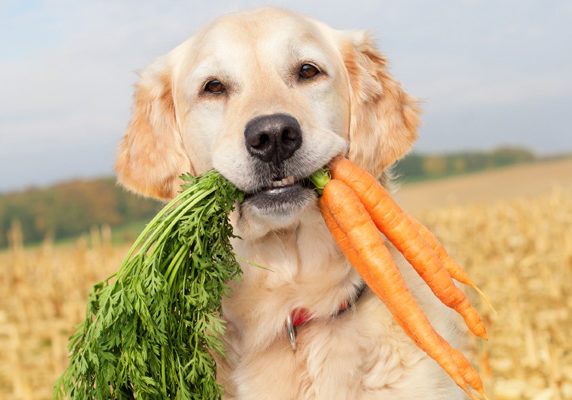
[(266, 97)]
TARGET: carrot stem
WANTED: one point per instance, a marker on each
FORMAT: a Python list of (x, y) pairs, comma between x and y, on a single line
[(320, 178)]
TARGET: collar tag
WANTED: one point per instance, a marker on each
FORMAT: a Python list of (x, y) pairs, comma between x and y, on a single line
[(291, 329), (300, 316)]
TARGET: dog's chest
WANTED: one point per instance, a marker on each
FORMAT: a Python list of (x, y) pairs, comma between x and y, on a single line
[(362, 354), (358, 354)]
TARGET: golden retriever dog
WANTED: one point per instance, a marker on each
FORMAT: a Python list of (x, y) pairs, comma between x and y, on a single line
[(267, 97)]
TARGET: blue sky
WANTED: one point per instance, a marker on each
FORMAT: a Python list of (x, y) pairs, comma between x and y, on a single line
[(490, 73)]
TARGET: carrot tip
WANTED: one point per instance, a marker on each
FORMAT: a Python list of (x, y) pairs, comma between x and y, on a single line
[(483, 335), (482, 392), (484, 297), (469, 393)]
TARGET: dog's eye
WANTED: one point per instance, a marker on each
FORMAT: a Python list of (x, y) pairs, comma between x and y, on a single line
[(215, 87), (308, 71)]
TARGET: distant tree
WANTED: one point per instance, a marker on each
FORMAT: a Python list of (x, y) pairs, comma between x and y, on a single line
[(410, 166), (71, 208), (417, 166), (459, 164), (435, 165), (511, 155)]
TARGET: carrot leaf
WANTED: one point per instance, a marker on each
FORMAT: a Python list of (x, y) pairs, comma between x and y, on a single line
[(150, 330)]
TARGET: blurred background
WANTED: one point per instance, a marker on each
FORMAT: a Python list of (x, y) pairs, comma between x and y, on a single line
[(491, 174)]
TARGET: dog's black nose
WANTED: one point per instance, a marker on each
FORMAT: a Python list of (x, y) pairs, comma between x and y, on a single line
[(273, 138)]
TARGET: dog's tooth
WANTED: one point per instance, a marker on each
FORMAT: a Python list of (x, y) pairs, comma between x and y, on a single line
[(283, 182)]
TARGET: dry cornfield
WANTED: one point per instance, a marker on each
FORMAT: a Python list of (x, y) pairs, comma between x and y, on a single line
[(43, 293), (519, 251)]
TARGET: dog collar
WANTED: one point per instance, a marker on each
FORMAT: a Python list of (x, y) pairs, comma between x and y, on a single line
[(300, 316)]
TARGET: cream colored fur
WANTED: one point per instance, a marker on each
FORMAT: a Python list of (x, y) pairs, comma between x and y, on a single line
[(354, 107)]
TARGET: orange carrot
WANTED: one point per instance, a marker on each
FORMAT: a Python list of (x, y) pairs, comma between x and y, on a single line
[(395, 224), (471, 376), (381, 273), (455, 270), (343, 242)]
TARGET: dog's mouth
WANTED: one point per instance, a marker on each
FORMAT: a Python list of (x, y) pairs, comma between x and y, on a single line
[(290, 192), (282, 185)]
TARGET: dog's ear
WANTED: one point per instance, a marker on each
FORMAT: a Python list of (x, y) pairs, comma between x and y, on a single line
[(384, 118), (151, 155)]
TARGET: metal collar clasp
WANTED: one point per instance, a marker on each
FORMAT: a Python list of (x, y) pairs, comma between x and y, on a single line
[(291, 329)]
